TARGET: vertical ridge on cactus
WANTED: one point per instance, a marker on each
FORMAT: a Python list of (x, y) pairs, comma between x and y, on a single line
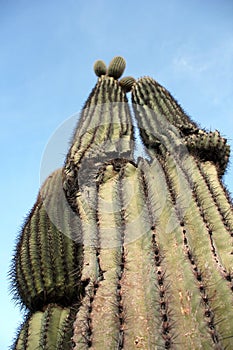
[(219, 193), (201, 255), (104, 131), (148, 92), (119, 254), (41, 274), (178, 292), (207, 241), (116, 67), (127, 83), (99, 125), (49, 329), (100, 68), (104, 320)]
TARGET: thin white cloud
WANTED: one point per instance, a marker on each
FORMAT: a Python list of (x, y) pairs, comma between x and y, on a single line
[(209, 67), (197, 59), (191, 59), (189, 63)]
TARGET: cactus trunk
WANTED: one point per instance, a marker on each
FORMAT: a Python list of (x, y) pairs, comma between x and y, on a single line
[(119, 253)]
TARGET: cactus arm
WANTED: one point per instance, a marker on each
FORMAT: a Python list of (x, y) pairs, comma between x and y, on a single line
[(218, 230), (209, 147), (148, 92), (49, 329), (98, 120), (43, 276), (197, 219), (104, 132), (159, 104)]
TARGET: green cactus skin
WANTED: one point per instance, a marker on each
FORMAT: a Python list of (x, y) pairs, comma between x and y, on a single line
[(48, 329), (105, 119), (127, 83), (144, 285), (43, 276), (206, 226), (206, 146), (210, 146), (153, 243), (219, 193), (161, 102), (116, 67), (104, 131), (115, 269), (100, 68)]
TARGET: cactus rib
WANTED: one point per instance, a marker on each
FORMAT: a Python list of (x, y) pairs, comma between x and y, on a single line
[(100, 68), (179, 288), (218, 193), (156, 97), (197, 247), (42, 276), (47, 329), (116, 67), (105, 131), (183, 170), (127, 83)]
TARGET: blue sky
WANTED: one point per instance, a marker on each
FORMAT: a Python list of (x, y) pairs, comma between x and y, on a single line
[(47, 53)]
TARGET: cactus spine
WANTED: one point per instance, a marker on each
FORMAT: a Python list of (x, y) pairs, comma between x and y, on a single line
[(144, 248)]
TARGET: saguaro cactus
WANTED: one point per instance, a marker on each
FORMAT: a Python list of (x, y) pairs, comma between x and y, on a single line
[(120, 253)]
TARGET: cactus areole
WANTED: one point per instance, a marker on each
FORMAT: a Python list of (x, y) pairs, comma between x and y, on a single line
[(126, 253)]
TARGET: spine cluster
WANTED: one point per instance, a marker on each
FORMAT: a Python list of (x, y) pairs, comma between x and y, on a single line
[(126, 254)]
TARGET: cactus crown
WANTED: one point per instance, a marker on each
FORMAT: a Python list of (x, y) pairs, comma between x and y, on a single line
[(115, 70)]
